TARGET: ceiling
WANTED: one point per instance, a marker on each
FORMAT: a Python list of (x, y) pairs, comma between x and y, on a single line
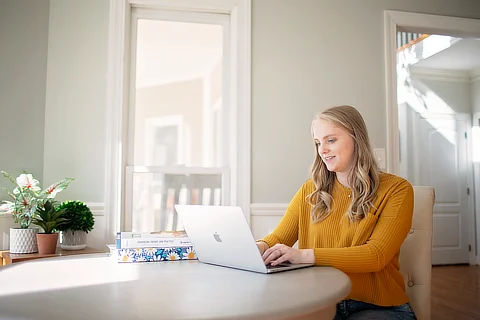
[(463, 55)]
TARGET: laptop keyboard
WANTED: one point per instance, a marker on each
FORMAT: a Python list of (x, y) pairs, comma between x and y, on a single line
[(269, 266)]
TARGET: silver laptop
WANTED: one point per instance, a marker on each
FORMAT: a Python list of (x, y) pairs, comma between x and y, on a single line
[(221, 236)]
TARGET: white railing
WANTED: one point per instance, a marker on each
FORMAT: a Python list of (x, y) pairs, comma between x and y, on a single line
[(407, 39), (151, 193)]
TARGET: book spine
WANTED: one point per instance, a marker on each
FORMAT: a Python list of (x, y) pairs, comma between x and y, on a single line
[(152, 243), (134, 235)]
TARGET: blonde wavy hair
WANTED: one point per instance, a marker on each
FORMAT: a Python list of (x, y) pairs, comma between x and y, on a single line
[(363, 177)]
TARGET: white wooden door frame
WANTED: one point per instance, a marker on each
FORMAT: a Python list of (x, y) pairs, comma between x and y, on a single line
[(430, 24), (117, 97)]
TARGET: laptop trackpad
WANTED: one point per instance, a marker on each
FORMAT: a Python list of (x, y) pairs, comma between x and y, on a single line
[(281, 265)]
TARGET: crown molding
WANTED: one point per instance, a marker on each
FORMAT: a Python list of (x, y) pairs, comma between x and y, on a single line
[(442, 75)]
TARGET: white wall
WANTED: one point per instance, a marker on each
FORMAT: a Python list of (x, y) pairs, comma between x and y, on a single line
[(53, 107), (306, 56), (23, 57), (310, 55), (76, 97), (23, 67)]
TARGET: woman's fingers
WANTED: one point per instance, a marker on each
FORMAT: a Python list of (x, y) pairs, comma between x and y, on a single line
[(275, 253), (268, 257), (282, 259), (272, 249)]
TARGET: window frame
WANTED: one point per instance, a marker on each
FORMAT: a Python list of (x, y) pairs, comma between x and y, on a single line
[(119, 98)]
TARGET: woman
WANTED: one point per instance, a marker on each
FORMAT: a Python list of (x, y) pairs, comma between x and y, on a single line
[(349, 216)]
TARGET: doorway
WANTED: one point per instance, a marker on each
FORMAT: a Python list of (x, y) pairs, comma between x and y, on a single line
[(430, 114)]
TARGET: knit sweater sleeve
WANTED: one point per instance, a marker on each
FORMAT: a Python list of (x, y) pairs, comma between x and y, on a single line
[(391, 229), (286, 231)]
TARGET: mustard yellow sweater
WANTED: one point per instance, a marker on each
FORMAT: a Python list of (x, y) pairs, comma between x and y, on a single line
[(368, 250)]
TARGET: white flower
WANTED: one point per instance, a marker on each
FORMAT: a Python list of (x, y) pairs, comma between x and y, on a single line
[(126, 255), (27, 195), (173, 256), (157, 257), (27, 181), (150, 251), (7, 207), (189, 254)]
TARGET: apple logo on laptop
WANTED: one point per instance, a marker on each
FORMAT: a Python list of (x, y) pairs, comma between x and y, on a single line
[(217, 237)]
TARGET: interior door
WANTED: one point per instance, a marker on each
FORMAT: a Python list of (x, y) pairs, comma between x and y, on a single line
[(435, 150)]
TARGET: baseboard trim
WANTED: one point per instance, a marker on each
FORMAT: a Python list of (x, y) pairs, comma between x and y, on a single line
[(268, 209), (97, 208), (475, 74)]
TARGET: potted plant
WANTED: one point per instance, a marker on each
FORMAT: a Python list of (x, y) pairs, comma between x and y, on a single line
[(50, 219), (26, 197), (81, 221)]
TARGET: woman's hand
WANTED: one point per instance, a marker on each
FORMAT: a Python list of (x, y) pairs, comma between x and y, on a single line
[(280, 253), (262, 247)]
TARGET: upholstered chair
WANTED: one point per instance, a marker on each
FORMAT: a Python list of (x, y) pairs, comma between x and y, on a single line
[(416, 253)]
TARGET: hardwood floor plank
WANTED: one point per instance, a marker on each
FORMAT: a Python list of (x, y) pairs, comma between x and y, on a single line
[(455, 292)]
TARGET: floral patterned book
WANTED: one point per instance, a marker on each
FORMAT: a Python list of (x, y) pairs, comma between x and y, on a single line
[(155, 254)]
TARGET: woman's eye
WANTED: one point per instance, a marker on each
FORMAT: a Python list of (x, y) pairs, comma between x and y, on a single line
[(330, 140)]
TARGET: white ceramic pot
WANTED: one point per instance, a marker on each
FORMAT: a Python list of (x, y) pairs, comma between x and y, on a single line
[(73, 240), (23, 240)]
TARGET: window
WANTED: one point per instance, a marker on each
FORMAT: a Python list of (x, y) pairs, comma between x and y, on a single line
[(184, 121)]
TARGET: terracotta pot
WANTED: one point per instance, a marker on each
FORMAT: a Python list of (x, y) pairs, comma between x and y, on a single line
[(47, 243)]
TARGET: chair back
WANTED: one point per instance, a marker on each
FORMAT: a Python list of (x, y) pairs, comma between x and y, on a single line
[(416, 253)]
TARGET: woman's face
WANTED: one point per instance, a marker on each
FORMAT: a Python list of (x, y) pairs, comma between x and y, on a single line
[(334, 145)]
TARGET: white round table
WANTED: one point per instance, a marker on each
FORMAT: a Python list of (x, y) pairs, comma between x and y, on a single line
[(97, 287)]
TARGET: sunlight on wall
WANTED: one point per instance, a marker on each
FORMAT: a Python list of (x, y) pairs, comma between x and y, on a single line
[(436, 104), (435, 43), (416, 94), (409, 92), (428, 103), (424, 49)]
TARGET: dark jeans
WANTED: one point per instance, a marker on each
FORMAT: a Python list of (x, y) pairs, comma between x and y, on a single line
[(357, 310)]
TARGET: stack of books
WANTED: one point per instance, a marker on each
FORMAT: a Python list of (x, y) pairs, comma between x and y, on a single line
[(153, 246)]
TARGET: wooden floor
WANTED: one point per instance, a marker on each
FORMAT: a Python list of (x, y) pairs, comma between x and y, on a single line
[(456, 292)]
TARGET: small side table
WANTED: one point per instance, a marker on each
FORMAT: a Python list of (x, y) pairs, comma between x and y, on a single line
[(7, 258)]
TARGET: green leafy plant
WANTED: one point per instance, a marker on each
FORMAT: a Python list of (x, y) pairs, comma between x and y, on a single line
[(27, 197), (79, 215), (50, 218)]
